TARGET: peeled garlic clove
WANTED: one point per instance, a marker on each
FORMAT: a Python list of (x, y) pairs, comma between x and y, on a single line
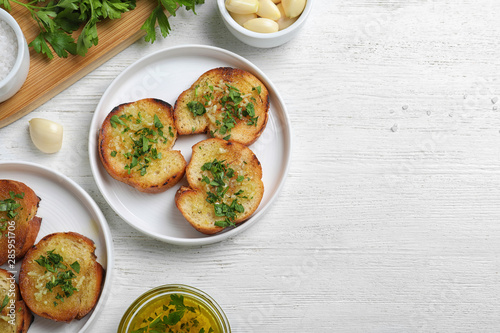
[(267, 9), (276, 1), (46, 135), (242, 18), (242, 6), (261, 25), (293, 8), (284, 21)]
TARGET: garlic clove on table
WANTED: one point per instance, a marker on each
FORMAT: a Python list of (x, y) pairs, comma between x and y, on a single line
[(46, 135)]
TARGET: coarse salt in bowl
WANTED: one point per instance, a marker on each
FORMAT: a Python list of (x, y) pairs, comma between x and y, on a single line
[(14, 56), (8, 49)]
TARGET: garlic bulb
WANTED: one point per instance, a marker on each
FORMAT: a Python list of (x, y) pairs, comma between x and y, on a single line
[(46, 135)]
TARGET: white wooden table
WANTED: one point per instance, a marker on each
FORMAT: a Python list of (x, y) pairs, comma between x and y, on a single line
[(389, 220)]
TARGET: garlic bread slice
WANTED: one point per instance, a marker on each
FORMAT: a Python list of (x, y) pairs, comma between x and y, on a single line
[(225, 185), (135, 145), (18, 224), (227, 103), (15, 317), (60, 278)]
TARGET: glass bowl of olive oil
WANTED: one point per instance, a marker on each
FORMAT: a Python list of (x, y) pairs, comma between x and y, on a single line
[(174, 308)]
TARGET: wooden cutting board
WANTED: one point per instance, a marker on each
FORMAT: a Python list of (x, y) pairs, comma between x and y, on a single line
[(47, 78)]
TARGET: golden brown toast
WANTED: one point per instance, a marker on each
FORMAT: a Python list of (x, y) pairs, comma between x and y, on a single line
[(15, 317), (18, 223), (31, 234), (232, 174), (228, 103), (135, 145), (60, 278)]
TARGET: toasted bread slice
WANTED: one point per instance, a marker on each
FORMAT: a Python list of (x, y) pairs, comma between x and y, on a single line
[(39, 269), (232, 174), (19, 204), (225, 102), (15, 317), (135, 146)]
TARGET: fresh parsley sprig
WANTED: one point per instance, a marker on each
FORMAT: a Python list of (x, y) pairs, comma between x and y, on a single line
[(59, 21), (158, 16)]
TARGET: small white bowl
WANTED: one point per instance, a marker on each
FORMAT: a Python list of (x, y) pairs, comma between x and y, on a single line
[(263, 40), (11, 84)]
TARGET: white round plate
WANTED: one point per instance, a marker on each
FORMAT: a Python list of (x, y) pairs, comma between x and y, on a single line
[(64, 206), (165, 75)]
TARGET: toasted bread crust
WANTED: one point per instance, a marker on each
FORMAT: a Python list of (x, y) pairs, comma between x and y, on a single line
[(22, 315), (31, 235), (210, 89), (245, 185), (24, 225), (162, 172), (33, 277)]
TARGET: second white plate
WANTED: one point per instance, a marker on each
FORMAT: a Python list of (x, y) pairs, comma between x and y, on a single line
[(164, 75), (64, 207)]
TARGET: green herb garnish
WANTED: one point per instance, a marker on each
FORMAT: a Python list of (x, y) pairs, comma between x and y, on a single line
[(197, 108), (233, 110), (115, 121), (59, 20), (143, 141), (63, 277), (10, 205), (219, 174), (171, 316), (232, 107), (5, 301)]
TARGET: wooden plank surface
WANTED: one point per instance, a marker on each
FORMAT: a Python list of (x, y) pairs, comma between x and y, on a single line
[(47, 78)]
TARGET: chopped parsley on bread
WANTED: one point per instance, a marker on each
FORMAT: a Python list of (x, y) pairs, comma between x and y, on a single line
[(228, 103), (135, 145), (15, 317), (19, 225), (60, 278), (225, 185)]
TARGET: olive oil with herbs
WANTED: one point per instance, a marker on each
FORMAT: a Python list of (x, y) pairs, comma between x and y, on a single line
[(174, 313)]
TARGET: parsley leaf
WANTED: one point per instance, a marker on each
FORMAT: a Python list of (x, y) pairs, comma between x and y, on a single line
[(158, 16), (62, 43), (76, 266), (115, 121), (197, 108), (258, 89), (5, 301)]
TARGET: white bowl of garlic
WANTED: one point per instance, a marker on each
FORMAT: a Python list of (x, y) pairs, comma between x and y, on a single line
[(264, 23), (14, 56)]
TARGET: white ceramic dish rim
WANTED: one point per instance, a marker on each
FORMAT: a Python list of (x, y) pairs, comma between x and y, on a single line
[(86, 200), (227, 17), (5, 16), (95, 163)]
